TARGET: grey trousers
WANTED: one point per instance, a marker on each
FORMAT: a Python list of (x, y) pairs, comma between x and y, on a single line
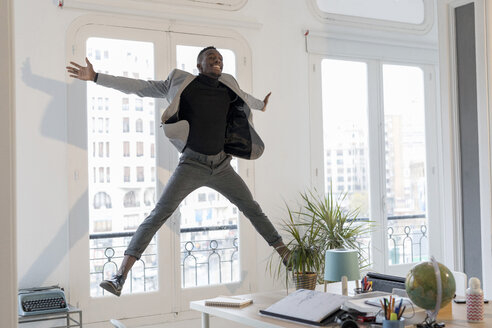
[(196, 170)]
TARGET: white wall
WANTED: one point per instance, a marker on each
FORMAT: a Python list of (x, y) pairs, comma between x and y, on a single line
[(279, 65), (278, 51)]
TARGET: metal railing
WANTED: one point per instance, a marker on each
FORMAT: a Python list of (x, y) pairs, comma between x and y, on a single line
[(407, 242), (215, 260), (206, 261)]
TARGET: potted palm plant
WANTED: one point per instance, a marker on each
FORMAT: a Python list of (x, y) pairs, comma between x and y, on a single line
[(321, 223), (339, 227), (305, 259)]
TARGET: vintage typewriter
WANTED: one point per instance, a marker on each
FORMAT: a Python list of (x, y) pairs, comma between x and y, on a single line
[(42, 300)]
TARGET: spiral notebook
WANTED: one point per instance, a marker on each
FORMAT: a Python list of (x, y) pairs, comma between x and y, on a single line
[(229, 301), (307, 306)]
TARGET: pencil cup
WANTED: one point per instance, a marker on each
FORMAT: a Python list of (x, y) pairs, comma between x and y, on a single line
[(360, 291), (394, 323)]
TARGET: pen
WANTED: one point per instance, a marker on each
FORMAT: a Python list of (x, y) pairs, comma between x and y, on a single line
[(398, 308), (401, 312), (385, 309)]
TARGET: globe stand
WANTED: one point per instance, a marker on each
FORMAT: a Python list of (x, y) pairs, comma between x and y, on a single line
[(431, 325), (430, 321)]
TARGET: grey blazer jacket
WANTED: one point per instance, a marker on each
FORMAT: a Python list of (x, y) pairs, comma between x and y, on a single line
[(241, 139)]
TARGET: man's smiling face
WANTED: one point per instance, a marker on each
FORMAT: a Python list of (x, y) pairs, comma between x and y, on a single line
[(211, 63)]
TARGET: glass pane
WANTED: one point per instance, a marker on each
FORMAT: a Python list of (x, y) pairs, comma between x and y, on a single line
[(209, 222), (405, 11), (404, 130), (345, 136), (118, 205)]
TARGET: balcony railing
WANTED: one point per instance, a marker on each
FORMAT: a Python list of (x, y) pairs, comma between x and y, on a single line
[(203, 261), (407, 239), (215, 258)]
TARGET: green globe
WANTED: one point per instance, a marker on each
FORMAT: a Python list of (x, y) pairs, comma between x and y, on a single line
[(421, 285)]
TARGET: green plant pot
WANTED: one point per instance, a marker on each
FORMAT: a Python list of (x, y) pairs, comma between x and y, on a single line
[(305, 280)]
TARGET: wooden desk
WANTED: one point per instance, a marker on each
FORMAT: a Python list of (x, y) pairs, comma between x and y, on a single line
[(454, 315)]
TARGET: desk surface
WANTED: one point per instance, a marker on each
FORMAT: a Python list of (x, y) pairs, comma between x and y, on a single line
[(454, 315)]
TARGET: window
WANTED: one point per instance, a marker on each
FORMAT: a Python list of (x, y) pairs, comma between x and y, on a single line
[(140, 174), (350, 131), (126, 149), (125, 103), (131, 222), (149, 197), (100, 122), (101, 174), (102, 225), (152, 128), (126, 124), (140, 147), (126, 174), (406, 11), (410, 16), (132, 197), (139, 125), (101, 199), (138, 104), (130, 200), (202, 197), (200, 210)]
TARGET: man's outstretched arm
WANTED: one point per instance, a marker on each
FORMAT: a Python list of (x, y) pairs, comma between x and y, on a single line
[(142, 88)]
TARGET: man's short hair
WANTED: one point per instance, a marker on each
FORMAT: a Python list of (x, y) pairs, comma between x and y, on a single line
[(200, 54)]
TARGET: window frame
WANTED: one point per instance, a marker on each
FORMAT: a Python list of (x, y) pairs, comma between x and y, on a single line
[(158, 304), (379, 55), (364, 22)]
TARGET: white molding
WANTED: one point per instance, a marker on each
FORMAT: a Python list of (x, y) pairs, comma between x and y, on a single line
[(8, 240), (363, 22), (374, 47), (226, 5), (176, 14)]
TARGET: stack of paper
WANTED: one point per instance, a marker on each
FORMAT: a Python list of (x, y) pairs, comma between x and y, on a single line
[(229, 301)]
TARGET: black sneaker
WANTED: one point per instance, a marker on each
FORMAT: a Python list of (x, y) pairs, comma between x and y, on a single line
[(113, 285)]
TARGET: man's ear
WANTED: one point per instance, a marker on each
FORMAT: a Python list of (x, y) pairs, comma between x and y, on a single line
[(199, 66)]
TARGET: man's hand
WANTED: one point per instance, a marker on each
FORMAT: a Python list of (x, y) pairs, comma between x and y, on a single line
[(265, 101), (82, 73)]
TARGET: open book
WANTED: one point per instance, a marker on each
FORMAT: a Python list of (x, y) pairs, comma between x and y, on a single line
[(307, 306), (229, 301)]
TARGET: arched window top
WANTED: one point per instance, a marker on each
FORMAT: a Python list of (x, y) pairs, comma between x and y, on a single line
[(102, 199), (130, 200), (414, 16), (149, 196)]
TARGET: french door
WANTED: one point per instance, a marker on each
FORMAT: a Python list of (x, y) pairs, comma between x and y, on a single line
[(122, 161), (375, 148)]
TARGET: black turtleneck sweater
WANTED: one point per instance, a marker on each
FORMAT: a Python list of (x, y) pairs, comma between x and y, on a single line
[(204, 104)]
